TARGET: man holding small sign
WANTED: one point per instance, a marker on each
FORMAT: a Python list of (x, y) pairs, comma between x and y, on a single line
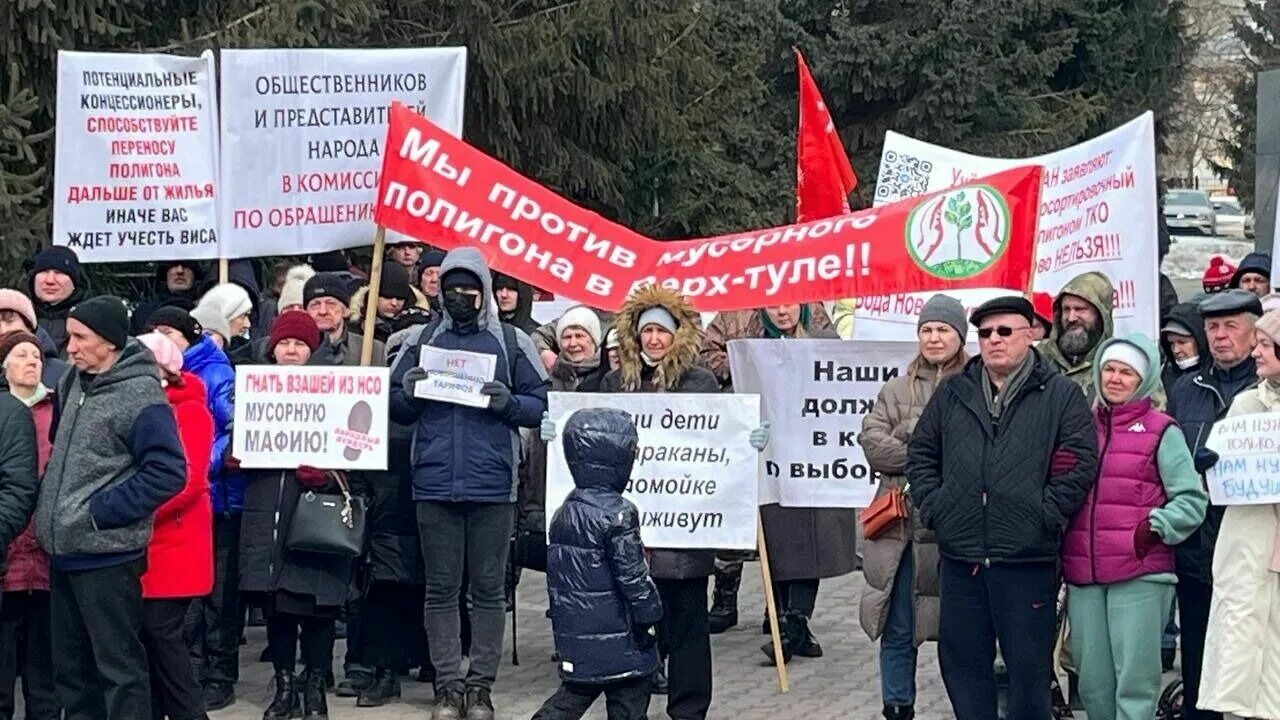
[(467, 384)]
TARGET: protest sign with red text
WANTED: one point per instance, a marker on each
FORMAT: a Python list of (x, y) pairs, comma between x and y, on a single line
[(438, 187)]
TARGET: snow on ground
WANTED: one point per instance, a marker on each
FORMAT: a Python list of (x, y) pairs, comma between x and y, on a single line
[(1189, 254)]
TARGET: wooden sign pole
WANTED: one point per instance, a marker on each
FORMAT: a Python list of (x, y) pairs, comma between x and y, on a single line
[(371, 300)]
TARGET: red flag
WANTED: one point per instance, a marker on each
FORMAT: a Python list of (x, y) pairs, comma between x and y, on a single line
[(824, 175)]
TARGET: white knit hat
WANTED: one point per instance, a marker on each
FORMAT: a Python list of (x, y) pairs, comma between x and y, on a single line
[(580, 316), (1129, 354), (229, 300), (210, 318), (294, 282)]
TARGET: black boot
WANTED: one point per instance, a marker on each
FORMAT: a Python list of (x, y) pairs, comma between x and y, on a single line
[(314, 705), (899, 712), (789, 631), (724, 605), (1167, 656), (806, 644), (385, 687), (285, 704), (355, 683)]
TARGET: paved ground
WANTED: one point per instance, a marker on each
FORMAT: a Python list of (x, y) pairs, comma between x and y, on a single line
[(844, 684)]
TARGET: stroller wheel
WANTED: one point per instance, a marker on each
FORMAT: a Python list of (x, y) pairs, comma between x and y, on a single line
[(1170, 705)]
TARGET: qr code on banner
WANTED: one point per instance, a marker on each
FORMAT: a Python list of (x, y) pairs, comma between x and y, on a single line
[(902, 176)]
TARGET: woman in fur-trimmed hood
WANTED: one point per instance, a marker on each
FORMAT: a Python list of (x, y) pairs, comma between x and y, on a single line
[(645, 366)]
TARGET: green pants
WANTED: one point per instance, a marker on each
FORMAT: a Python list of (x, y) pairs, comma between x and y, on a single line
[(1115, 641)]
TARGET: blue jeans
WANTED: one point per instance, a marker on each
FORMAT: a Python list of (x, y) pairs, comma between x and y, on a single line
[(898, 642), (1169, 640)]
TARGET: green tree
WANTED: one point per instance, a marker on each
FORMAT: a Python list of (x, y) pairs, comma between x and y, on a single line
[(1260, 33)]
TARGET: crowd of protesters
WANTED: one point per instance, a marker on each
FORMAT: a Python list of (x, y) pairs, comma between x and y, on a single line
[(1054, 513)]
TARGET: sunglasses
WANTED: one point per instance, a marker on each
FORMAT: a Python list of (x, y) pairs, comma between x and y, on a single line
[(1002, 331)]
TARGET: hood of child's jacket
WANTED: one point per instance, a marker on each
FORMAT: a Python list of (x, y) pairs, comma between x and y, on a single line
[(600, 448)]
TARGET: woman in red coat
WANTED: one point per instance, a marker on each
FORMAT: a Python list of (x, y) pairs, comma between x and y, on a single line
[(25, 645), (180, 556)]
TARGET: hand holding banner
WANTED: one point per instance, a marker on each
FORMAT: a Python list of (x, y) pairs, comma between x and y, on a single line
[(438, 188), (454, 376)]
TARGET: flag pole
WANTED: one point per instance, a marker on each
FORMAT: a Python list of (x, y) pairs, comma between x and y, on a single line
[(224, 270), (371, 300)]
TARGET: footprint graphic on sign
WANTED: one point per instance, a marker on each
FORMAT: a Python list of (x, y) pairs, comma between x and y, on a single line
[(359, 420)]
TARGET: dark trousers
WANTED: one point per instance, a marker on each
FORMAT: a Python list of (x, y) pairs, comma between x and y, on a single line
[(216, 621), (1194, 597), (477, 537), (174, 691), (101, 670), (623, 700), (684, 638), (797, 596), (25, 645), (284, 630), (392, 612), (1009, 603)]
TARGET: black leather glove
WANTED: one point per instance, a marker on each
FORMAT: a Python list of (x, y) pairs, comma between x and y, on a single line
[(646, 636), (499, 396), (1205, 459)]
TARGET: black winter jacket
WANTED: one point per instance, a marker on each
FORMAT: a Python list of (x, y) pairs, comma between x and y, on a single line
[(597, 578), (19, 480), (1197, 401), (1002, 491)]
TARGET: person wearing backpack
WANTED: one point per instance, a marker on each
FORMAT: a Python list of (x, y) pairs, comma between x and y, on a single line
[(464, 464)]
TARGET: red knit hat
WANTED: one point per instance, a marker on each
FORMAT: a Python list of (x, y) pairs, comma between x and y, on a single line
[(1043, 303), (1217, 277), (296, 325)]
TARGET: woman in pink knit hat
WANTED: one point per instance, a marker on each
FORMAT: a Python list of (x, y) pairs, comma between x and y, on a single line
[(1242, 646)]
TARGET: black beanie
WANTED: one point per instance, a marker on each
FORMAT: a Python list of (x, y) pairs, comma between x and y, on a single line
[(395, 283), (105, 315), (460, 278), (326, 284), (332, 261), (502, 280), (431, 257), (61, 259), (178, 319)]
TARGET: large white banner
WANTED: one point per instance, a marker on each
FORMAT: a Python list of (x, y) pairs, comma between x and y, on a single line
[(333, 418), (1248, 467), (135, 170), (694, 480), (816, 393), (302, 139), (1097, 212)]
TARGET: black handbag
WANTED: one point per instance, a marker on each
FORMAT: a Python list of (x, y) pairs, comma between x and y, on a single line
[(328, 523)]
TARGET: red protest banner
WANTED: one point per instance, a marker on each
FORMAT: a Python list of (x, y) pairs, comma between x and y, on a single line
[(441, 190)]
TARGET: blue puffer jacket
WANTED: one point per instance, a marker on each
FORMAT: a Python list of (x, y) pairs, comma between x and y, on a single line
[(462, 453), (596, 574), (210, 364)]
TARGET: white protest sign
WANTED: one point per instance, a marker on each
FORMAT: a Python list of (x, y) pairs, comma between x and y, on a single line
[(695, 478), (302, 143), (333, 418), (1097, 213), (1248, 467), (816, 393), (135, 169), (454, 376)]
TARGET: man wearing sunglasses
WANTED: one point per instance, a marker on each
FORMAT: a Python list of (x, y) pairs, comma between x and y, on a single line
[(1001, 458)]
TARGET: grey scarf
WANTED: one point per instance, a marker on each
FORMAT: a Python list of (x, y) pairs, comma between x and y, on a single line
[(997, 402)]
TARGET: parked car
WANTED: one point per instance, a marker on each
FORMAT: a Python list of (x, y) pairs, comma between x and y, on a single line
[(1233, 221), (1189, 210)]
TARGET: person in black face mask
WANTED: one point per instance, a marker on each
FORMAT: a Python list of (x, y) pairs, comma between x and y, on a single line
[(466, 503)]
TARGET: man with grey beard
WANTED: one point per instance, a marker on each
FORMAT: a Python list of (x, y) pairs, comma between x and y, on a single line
[(1081, 321)]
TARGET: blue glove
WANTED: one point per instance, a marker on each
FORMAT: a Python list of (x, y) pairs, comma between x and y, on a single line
[(760, 436), (499, 396), (1205, 459), (547, 430)]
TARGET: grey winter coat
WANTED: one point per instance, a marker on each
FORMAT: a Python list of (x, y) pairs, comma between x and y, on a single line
[(116, 459), (884, 437)]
